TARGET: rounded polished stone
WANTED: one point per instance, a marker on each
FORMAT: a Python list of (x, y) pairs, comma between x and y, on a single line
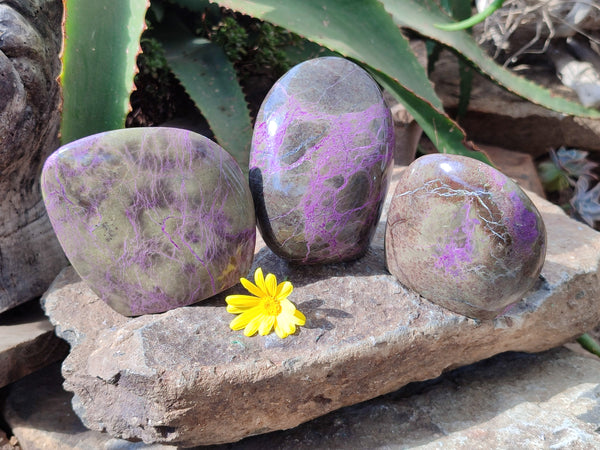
[(321, 157), (151, 218), (463, 235)]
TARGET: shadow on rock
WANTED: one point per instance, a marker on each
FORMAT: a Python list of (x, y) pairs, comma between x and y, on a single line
[(317, 317)]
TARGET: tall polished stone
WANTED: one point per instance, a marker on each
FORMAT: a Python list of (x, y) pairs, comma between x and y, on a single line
[(321, 157)]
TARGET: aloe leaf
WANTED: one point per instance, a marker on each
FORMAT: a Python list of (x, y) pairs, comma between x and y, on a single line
[(211, 81), (304, 50), (363, 31), (360, 29), (461, 10), (589, 343), (452, 141), (434, 50), (101, 44), (420, 15)]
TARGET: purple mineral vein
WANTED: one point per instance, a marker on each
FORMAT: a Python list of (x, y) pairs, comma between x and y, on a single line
[(335, 155), (170, 218)]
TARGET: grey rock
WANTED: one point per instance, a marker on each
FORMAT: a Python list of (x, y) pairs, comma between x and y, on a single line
[(511, 401), (30, 255), (7, 444), (27, 342), (183, 377), (40, 415)]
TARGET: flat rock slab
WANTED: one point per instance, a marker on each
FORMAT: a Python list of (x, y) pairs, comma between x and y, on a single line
[(27, 342), (183, 377), (40, 416), (511, 401)]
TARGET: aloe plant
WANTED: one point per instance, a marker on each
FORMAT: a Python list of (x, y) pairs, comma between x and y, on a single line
[(102, 41), (100, 46)]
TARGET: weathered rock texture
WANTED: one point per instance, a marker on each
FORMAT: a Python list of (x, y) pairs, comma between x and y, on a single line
[(511, 401), (30, 40), (40, 416), (184, 377), (27, 342), (498, 117)]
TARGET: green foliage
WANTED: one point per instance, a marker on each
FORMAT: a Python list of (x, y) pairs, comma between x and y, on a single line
[(552, 177), (214, 51), (210, 80), (233, 38), (342, 27), (589, 343), (101, 43), (152, 61), (269, 47), (472, 21), (421, 15), (460, 10)]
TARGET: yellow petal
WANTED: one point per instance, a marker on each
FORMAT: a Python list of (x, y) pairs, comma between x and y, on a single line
[(259, 279), (238, 309), (299, 318), (251, 287), (242, 300), (280, 331), (253, 325), (271, 285), (287, 307), (242, 320), (286, 323), (266, 325), (284, 290)]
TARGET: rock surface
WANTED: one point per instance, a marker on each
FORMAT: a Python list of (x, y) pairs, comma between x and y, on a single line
[(30, 255), (463, 235), (320, 163), (151, 218), (498, 117), (27, 342), (184, 377), (511, 401), (40, 416)]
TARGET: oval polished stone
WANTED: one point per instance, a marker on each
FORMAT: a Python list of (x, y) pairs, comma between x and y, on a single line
[(463, 235), (321, 157), (151, 218)]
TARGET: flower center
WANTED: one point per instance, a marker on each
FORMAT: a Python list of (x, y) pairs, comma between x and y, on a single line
[(272, 306)]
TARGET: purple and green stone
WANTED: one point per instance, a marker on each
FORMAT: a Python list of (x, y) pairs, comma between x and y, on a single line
[(151, 218), (464, 236), (321, 157)]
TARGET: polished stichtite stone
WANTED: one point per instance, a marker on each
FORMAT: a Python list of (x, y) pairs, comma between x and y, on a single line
[(463, 235), (151, 218), (321, 156)]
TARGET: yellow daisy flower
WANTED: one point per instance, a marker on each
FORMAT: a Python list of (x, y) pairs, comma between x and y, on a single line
[(267, 308)]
